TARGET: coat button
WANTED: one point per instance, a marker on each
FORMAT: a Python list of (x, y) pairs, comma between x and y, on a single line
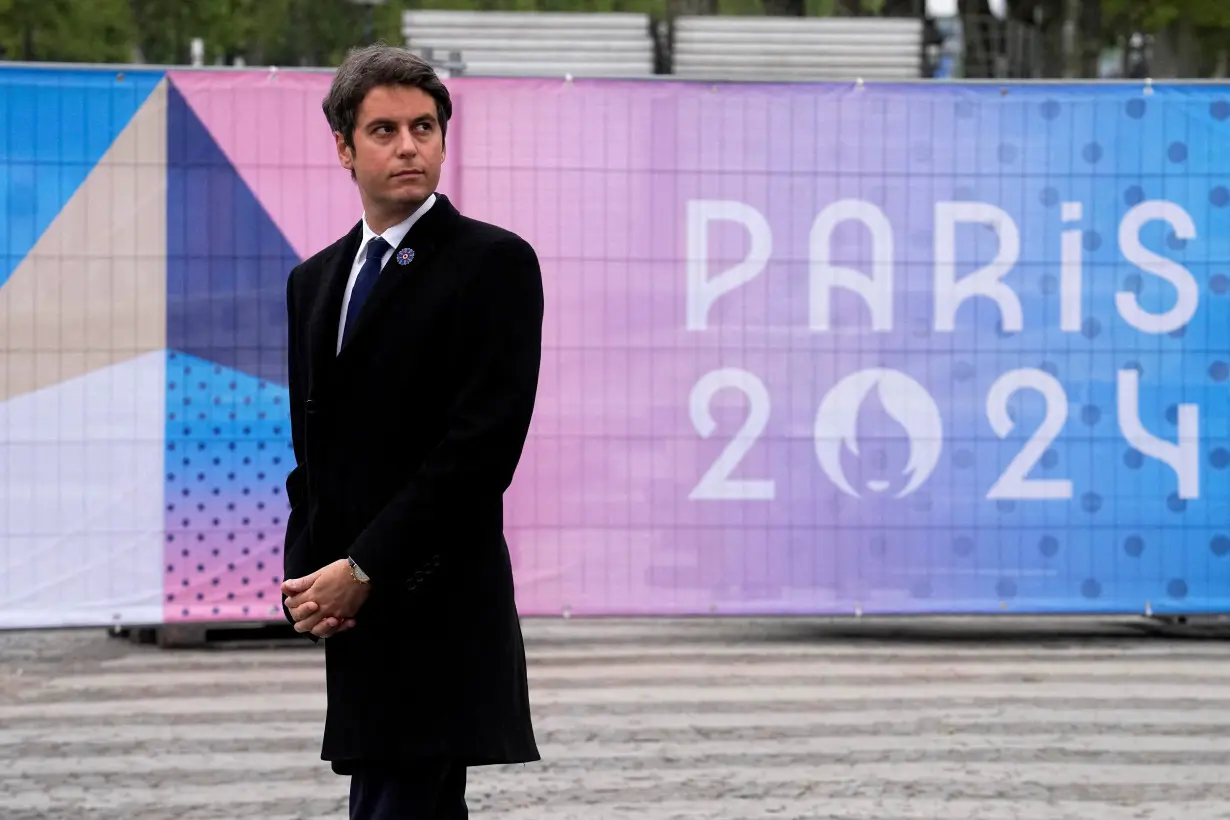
[(310, 406)]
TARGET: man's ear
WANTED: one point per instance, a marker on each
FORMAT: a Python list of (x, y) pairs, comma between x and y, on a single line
[(345, 154)]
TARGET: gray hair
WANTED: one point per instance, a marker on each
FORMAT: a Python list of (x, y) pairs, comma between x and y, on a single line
[(376, 65)]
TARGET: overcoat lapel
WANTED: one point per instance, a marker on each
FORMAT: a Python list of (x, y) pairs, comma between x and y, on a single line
[(327, 312), (420, 243)]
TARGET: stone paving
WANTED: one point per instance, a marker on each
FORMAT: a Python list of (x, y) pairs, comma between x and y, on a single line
[(695, 720)]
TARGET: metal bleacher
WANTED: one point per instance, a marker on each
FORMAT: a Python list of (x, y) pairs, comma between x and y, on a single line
[(556, 44), (794, 48), (550, 44)]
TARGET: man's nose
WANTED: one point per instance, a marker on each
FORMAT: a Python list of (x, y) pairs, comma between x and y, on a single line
[(405, 142)]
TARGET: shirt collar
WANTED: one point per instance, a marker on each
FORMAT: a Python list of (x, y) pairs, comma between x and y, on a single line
[(397, 233)]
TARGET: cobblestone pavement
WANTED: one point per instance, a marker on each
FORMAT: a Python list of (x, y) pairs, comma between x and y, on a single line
[(695, 720)]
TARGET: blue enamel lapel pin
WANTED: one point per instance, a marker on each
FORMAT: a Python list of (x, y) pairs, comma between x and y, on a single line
[(405, 256)]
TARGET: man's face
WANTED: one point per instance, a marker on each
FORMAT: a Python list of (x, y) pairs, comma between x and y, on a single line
[(398, 147)]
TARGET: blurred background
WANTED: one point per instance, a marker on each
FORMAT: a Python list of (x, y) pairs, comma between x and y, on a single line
[(952, 38)]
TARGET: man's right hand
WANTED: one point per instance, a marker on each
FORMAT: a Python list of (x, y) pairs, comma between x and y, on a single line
[(306, 615)]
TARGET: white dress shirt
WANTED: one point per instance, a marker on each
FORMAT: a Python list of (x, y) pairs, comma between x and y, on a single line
[(394, 237)]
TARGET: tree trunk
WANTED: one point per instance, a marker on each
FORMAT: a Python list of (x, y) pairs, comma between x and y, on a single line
[(1176, 51), (848, 8), (1090, 19), (1220, 63), (979, 31), (1045, 20)]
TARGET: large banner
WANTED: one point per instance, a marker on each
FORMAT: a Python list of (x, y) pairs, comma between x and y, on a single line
[(809, 349)]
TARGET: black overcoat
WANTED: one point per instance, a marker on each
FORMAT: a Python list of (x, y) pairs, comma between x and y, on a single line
[(404, 444)]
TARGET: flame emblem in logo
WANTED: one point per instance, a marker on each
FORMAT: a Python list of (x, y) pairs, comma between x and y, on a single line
[(904, 400)]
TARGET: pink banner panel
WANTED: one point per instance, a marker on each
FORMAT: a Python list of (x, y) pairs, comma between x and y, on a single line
[(272, 129), (809, 349)]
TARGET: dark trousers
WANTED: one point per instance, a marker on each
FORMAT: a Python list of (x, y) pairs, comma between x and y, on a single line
[(426, 791)]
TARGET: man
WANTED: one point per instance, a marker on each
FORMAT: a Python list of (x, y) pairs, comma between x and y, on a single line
[(414, 352)]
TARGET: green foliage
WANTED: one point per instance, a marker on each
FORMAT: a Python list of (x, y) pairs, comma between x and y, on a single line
[(1152, 16), (277, 32), (65, 30)]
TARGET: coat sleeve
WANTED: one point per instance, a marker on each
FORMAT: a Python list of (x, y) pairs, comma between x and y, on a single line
[(497, 343), (296, 480)]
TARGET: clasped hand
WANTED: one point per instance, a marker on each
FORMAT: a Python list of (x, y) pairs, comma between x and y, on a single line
[(326, 602)]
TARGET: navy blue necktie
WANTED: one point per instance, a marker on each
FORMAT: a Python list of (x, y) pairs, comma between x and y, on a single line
[(363, 284)]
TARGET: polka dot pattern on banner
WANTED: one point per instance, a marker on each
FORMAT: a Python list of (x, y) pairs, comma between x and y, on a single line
[(1119, 494), (228, 454)]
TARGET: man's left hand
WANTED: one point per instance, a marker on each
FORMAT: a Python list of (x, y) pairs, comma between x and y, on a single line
[(334, 597)]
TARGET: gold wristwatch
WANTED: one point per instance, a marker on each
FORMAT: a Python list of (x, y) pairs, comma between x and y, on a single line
[(358, 574)]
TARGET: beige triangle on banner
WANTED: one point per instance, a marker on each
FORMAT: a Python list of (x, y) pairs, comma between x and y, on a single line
[(93, 290)]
